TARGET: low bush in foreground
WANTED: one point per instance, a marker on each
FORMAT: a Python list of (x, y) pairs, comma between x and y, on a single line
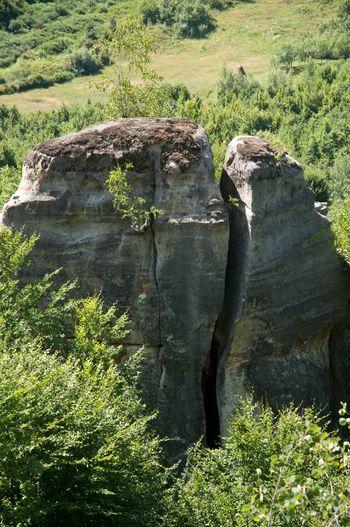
[(76, 447), (284, 471), (75, 444)]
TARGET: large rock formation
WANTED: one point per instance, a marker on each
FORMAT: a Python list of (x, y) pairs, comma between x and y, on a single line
[(170, 276), (272, 326), (286, 289)]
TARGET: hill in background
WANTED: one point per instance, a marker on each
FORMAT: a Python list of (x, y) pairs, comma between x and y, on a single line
[(51, 43)]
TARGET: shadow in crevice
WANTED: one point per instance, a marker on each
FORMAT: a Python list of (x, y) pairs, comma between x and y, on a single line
[(209, 376), (212, 377)]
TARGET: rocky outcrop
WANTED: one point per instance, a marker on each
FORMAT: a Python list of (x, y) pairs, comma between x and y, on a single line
[(226, 300), (170, 276), (286, 288)]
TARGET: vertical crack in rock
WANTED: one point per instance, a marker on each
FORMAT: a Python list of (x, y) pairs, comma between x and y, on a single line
[(213, 376), (155, 254), (170, 277), (209, 378), (285, 288)]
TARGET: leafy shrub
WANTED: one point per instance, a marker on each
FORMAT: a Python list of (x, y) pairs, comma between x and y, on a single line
[(188, 20), (9, 178), (54, 46), (193, 20), (36, 310), (75, 444), (9, 9), (284, 471), (75, 448), (129, 45), (340, 216), (40, 73), (339, 178), (84, 62), (7, 155)]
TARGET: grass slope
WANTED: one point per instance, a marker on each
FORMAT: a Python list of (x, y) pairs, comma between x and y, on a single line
[(248, 34)]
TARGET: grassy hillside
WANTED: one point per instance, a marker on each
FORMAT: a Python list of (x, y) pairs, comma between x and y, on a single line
[(247, 34)]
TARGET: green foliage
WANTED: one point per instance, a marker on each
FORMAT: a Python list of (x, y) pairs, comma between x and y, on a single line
[(39, 30), (75, 443), (339, 178), (35, 310), (75, 446), (193, 20), (9, 179), (188, 20), (331, 41), (128, 205), (340, 217), (284, 471), (129, 45), (98, 332), (9, 9), (84, 62), (286, 55), (39, 73)]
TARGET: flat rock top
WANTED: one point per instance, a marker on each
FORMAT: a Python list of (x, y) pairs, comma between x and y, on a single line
[(259, 151), (253, 147), (124, 134)]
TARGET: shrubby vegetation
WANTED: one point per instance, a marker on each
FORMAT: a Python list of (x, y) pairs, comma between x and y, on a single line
[(42, 43), (47, 42), (284, 471), (330, 42), (76, 444), (77, 449), (186, 19)]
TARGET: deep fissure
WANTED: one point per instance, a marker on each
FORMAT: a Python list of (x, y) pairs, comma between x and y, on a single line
[(209, 387), (233, 300)]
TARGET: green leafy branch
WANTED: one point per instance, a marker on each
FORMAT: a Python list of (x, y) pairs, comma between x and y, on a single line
[(128, 205)]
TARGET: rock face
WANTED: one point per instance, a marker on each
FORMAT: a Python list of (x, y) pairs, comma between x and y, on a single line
[(170, 276), (226, 299), (286, 289)]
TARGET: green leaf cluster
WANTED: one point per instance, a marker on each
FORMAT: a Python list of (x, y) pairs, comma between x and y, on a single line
[(126, 203), (271, 471), (76, 446)]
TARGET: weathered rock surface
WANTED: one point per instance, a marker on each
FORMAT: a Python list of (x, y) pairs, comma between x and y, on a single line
[(170, 276), (261, 309), (286, 288)]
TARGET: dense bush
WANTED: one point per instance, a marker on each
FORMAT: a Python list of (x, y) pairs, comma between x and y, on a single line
[(9, 9), (188, 20), (84, 62), (193, 20), (75, 445), (331, 41), (39, 73), (271, 472), (41, 29), (340, 216)]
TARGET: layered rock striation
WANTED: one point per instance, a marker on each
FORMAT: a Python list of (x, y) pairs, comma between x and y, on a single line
[(169, 275), (226, 299), (286, 287)]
